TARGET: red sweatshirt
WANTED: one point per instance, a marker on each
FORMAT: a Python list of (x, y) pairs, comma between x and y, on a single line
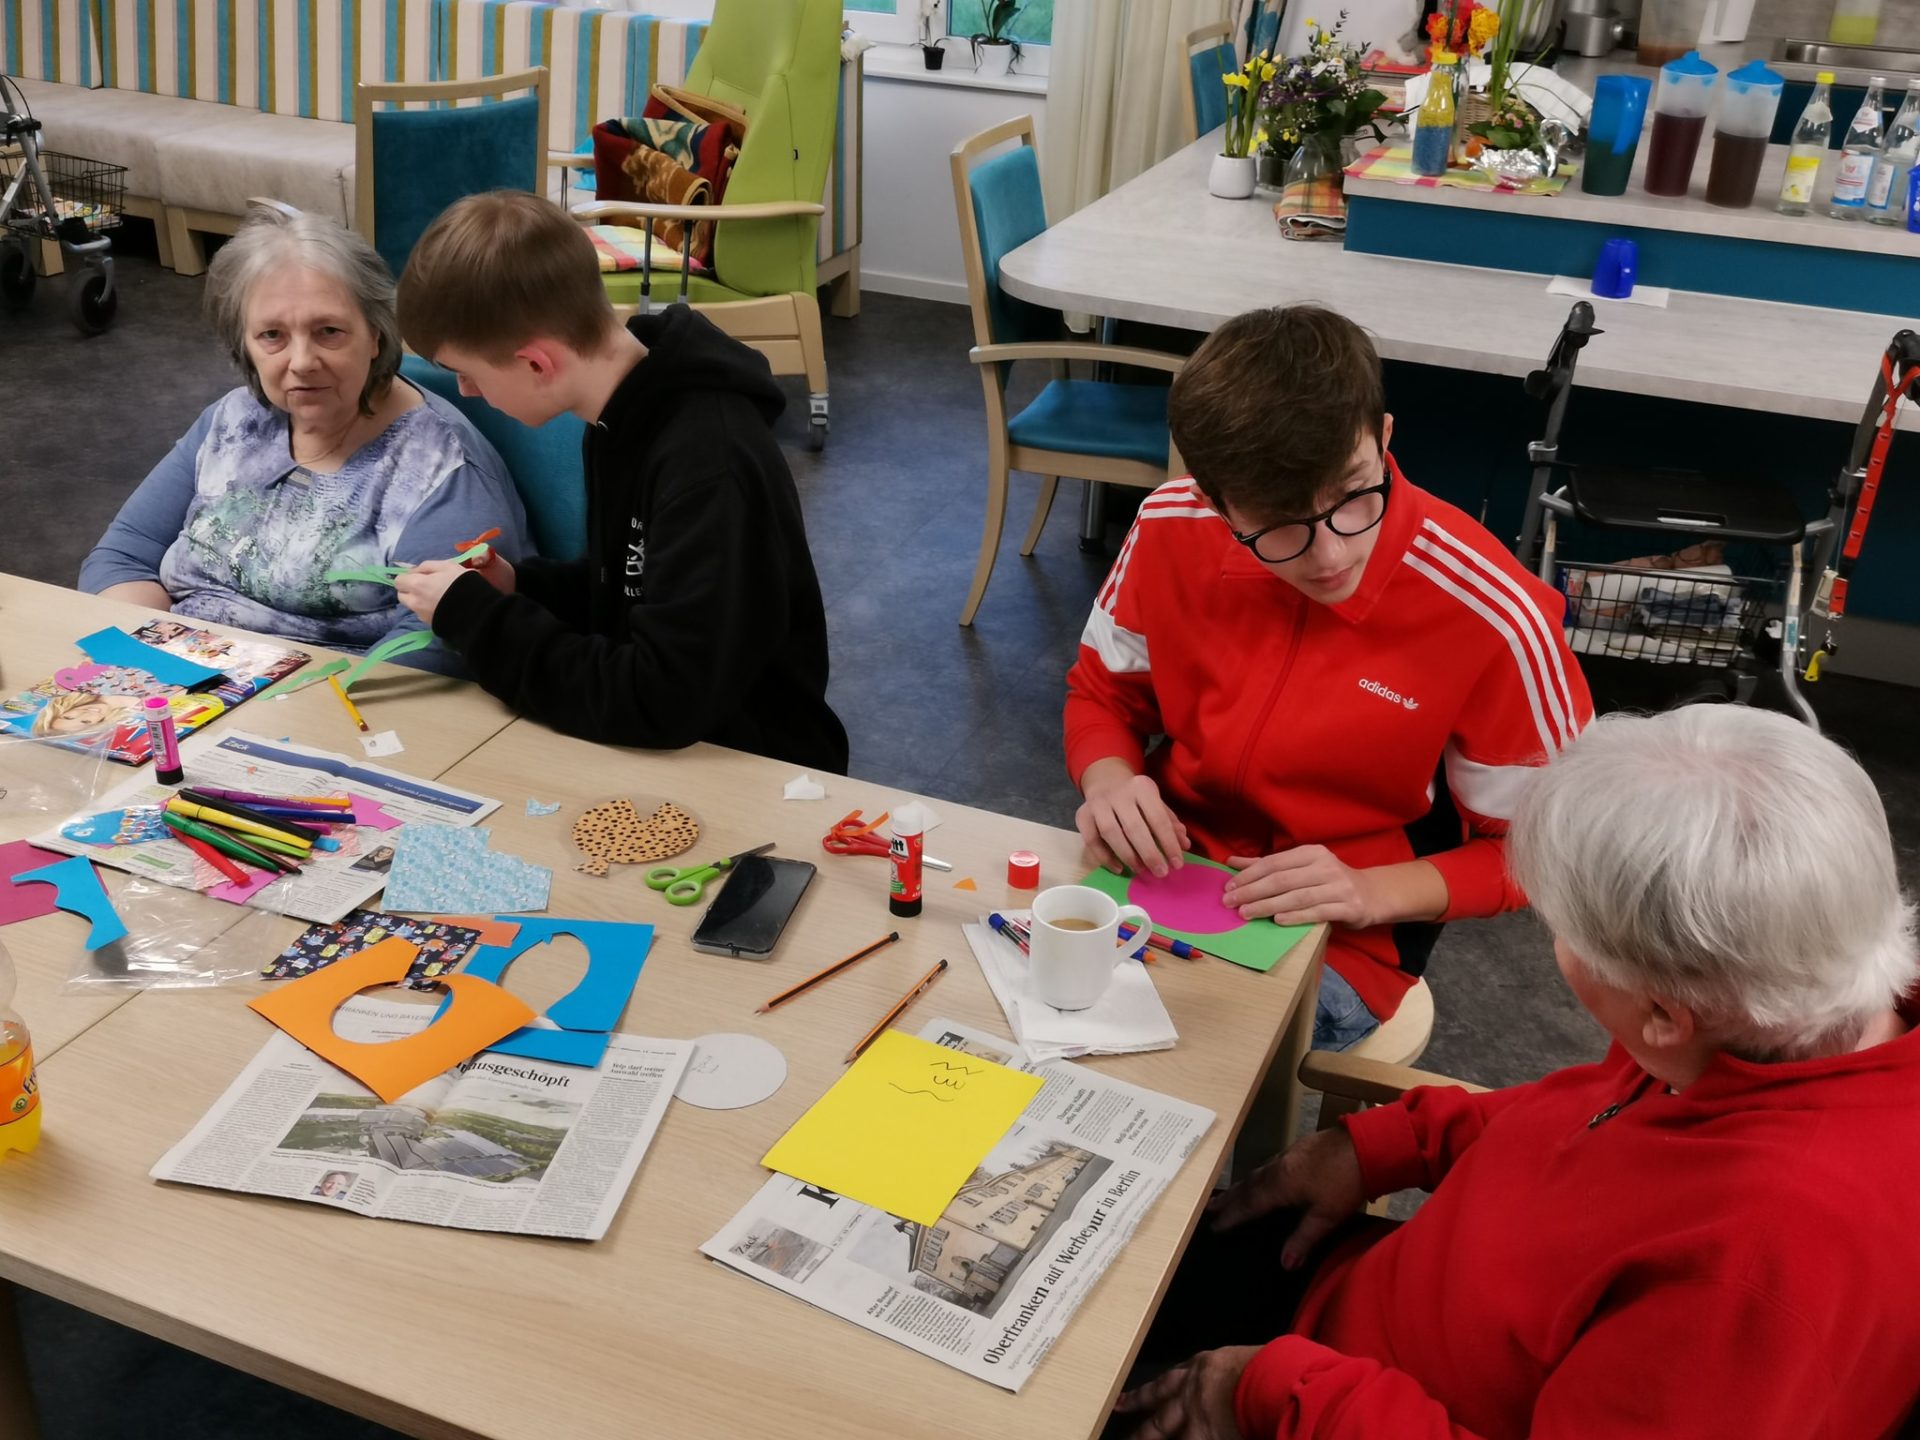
[(1735, 1260), (1289, 722)]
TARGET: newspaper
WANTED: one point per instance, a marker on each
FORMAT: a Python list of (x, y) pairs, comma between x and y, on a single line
[(498, 1143), (990, 1287), (333, 882)]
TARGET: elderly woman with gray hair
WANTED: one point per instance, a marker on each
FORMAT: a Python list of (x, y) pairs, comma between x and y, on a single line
[(1708, 1233), (324, 460)]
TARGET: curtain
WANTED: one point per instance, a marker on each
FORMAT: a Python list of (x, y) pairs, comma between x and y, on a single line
[(1113, 98)]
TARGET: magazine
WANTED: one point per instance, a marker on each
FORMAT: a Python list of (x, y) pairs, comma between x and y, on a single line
[(498, 1143), (120, 828), (86, 696), (991, 1286)]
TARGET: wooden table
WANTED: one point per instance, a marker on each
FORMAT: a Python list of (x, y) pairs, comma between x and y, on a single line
[(42, 622), (447, 1333), (1161, 249)]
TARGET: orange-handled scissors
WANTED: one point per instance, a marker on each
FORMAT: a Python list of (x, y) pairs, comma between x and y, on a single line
[(853, 836), (481, 562)]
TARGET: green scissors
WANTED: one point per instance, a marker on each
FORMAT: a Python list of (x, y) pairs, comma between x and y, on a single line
[(684, 887)]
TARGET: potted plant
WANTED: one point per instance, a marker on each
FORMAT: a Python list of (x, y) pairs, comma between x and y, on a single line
[(1316, 105), (1231, 177), (931, 50), (1509, 141), (994, 50)]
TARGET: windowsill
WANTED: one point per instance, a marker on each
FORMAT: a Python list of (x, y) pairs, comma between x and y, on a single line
[(904, 62)]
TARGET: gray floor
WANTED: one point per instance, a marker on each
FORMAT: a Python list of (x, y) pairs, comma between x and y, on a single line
[(893, 511)]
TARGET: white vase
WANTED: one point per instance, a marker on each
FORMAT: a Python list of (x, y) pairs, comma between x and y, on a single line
[(995, 57), (1231, 177)]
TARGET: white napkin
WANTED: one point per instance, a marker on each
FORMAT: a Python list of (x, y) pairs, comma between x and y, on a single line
[(804, 787), (1129, 1018), (1655, 295)]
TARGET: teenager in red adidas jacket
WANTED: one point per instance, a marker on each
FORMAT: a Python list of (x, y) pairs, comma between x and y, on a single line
[(1708, 1235), (1311, 676)]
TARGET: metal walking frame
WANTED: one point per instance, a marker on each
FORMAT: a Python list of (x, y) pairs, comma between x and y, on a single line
[(48, 196)]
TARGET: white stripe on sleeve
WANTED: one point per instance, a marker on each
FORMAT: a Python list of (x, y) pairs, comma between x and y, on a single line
[(1479, 606), (1489, 791), (1121, 650)]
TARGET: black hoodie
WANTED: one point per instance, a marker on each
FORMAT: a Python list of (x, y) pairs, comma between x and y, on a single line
[(696, 613)]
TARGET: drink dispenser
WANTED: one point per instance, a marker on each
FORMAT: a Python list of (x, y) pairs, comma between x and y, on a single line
[(1740, 134), (1680, 107)]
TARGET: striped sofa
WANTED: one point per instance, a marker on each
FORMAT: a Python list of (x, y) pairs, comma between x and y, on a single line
[(210, 102)]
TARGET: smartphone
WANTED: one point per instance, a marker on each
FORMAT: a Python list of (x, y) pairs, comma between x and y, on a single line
[(745, 919)]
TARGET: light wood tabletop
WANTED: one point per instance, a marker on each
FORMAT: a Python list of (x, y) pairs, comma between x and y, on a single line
[(41, 623), (449, 1333), (1161, 249)]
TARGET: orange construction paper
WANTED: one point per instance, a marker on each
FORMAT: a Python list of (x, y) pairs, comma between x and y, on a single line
[(965, 884), (479, 1014), (492, 932)]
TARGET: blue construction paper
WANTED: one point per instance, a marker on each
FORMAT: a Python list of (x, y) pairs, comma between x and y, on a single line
[(77, 888), (450, 870), (117, 647), (587, 1013)]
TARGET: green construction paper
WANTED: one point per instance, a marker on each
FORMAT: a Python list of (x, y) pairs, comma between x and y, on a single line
[(1257, 944), (303, 679), (387, 574), (402, 644)]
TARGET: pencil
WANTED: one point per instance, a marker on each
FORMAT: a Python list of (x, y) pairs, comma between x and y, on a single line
[(895, 1013), (833, 969), (352, 709)]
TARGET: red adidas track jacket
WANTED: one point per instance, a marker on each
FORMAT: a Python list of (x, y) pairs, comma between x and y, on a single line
[(1289, 722)]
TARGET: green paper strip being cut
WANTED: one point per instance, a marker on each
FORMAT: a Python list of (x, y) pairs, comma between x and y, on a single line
[(1257, 944), (387, 574), (303, 679), (388, 649)]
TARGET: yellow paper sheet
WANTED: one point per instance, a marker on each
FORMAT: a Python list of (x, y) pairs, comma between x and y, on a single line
[(905, 1126)]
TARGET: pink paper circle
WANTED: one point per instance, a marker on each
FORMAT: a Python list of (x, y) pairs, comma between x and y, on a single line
[(1187, 899)]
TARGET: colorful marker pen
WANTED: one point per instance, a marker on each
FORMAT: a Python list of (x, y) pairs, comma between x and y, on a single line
[(162, 741)]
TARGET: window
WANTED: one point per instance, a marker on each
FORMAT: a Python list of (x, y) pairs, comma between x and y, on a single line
[(891, 22), (1032, 25)]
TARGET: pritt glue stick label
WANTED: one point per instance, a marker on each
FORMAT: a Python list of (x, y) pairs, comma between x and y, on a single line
[(903, 889)]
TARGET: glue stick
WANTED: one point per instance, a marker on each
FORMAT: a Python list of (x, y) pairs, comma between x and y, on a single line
[(162, 741), (906, 852)]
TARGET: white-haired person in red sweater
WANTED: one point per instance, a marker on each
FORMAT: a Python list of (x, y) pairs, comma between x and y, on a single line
[(1707, 1234)]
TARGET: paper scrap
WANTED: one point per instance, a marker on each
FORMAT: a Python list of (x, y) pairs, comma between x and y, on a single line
[(25, 902), (442, 944), (117, 647), (387, 574), (804, 787), (1256, 944), (904, 1128), (965, 883), (478, 1014), (491, 930), (542, 807), (391, 648), (135, 825), (303, 679), (369, 812), (731, 1071), (446, 869), (383, 742), (586, 1016), (1654, 295), (77, 888)]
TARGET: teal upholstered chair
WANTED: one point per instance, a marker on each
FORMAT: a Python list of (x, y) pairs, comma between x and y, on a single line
[(411, 164), (1210, 59), (1093, 430), (545, 463)]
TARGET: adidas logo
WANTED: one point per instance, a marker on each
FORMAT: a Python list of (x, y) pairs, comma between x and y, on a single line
[(1374, 687)]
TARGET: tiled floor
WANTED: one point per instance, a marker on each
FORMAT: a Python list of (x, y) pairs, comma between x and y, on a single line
[(893, 509)]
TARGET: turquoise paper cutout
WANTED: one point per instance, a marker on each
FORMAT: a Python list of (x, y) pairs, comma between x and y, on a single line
[(588, 1013), (77, 889), (117, 647)]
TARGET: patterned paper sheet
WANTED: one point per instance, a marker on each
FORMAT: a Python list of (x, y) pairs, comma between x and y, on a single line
[(442, 869)]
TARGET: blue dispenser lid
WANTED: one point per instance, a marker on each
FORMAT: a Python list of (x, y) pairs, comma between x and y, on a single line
[(1690, 64), (1756, 74)]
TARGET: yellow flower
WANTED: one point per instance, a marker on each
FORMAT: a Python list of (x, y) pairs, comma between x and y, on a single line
[(1267, 72), (1259, 137), (1484, 25), (1238, 82)]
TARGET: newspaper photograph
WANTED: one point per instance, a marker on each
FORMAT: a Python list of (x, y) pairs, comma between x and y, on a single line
[(990, 1286), (122, 829), (497, 1143)]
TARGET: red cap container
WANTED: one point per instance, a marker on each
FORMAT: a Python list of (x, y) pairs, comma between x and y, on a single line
[(1023, 870)]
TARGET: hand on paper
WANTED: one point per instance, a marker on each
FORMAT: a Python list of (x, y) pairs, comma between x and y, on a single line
[(1307, 885), (1318, 1175), (420, 588), (1124, 822), (1193, 1401)]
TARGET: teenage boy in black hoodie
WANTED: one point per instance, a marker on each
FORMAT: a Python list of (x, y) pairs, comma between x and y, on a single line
[(696, 613)]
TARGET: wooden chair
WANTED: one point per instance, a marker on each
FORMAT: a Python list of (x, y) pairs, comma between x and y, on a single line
[(1398, 1042), (1094, 430), (411, 164), (1351, 1080), (1210, 59)]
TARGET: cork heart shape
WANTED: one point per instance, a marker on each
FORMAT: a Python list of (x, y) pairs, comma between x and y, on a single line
[(615, 832)]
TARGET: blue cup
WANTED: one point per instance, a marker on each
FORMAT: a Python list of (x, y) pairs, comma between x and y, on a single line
[(1613, 132), (1613, 276)]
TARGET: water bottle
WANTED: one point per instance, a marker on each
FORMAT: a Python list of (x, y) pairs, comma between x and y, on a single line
[(1857, 157), (19, 1088), (1810, 134), (1887, 190)]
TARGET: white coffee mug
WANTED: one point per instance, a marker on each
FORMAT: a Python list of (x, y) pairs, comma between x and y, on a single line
[(1076, 944)]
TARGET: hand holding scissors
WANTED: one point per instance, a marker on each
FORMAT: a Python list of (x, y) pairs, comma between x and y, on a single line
[(684, 887)]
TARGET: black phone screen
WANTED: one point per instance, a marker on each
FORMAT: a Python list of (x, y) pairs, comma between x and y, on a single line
[(753, 907)]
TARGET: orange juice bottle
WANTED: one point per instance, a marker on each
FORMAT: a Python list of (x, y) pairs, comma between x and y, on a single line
[(19, 1089)]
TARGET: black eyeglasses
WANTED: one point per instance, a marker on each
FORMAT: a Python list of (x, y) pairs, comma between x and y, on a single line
[(1357, 513)]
